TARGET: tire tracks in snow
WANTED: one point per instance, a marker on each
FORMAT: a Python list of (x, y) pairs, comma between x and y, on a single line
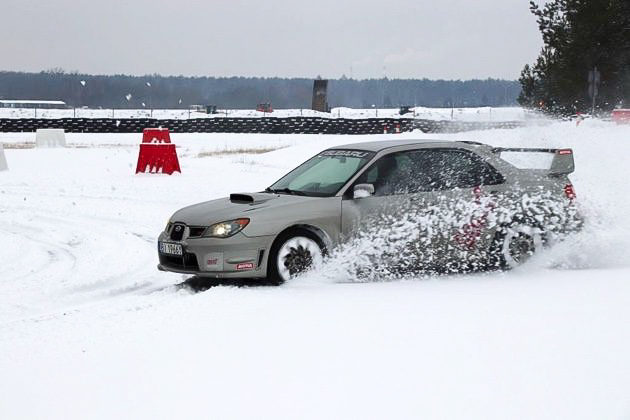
[(66, 260)]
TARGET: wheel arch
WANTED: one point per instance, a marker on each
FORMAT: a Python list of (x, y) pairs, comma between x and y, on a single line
[(316, 233), (321, 234), (523, 219)]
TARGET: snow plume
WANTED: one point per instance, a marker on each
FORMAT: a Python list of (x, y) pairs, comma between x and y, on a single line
[(601, 243), (445, 236)]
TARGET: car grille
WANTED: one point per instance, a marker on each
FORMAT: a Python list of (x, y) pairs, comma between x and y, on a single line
[(187, 262), (177, 232), (196, 231)]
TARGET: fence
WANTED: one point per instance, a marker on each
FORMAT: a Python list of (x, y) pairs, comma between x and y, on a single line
[(266, 125)]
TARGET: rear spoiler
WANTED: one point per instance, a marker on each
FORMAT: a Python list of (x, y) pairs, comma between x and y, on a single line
[(561, 164)]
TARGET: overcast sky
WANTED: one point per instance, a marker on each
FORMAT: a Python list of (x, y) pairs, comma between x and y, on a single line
[(437, 39)]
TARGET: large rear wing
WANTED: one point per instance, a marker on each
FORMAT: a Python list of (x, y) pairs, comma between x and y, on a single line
[(561, 160)]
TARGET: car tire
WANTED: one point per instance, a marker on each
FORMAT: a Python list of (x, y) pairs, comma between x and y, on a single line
[(293, 253), (514, 244)]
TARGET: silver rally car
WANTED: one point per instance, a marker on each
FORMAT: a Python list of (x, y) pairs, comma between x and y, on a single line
[(281, 232)]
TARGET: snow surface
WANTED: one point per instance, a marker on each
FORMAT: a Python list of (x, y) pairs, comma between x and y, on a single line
[(90, 329), (483, 114)]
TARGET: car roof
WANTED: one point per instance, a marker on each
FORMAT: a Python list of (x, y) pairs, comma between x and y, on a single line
[(377, 146)]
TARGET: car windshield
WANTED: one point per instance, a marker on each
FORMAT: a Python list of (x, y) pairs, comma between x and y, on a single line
[(322, 175)]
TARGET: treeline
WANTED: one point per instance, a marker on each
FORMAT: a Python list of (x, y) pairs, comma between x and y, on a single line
[(155, 91), (580, 36)]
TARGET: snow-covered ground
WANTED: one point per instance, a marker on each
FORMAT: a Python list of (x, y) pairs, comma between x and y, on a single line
[(458, 114), (90, 329)]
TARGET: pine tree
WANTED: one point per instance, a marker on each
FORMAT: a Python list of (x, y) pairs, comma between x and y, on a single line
[(579, 35)]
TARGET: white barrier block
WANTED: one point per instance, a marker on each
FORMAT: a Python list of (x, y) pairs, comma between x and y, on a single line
[(50, 137), (3, 159)]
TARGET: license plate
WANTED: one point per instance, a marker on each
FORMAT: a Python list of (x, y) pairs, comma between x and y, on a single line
[(172, 249)]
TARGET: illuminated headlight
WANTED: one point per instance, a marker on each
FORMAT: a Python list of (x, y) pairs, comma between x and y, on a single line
[(226, 229)]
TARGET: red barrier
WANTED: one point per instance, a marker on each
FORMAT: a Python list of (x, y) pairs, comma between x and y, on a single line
[(621, 116), (156, 135), (157, 153)]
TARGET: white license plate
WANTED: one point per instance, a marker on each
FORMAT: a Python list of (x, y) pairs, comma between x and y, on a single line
[(172, 249)]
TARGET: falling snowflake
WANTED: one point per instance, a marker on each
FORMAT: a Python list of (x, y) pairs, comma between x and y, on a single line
[(128, 96)]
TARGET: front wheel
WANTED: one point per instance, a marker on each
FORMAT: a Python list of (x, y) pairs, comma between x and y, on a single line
[(293, 254)]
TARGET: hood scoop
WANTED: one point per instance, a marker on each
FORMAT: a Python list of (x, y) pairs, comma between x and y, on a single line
[(241, 198), (249, 198)]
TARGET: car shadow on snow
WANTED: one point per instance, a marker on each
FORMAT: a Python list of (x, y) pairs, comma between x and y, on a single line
[(201, 284)]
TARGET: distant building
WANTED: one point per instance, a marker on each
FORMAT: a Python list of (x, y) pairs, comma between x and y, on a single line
[(19, 103), (405, 109), (207, 109), (264, 107), (320, 95)]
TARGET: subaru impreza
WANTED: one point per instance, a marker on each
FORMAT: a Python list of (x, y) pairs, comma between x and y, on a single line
[(511, 210)]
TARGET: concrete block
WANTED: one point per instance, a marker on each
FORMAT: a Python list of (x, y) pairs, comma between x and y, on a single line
[(50, 137)]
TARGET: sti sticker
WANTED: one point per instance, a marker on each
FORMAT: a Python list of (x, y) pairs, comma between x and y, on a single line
[(214, 261), (345, 153)]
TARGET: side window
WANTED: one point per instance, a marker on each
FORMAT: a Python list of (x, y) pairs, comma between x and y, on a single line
[(461, 169), (329, 174), (489, 175), (390, 175), (427, 170)]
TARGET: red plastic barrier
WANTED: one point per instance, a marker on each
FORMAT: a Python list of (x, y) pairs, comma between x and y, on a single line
[(156, 135), (621, 116), (158, 158), (157, 153)]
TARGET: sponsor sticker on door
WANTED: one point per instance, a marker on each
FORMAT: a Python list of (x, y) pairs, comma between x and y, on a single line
[(245, 266)]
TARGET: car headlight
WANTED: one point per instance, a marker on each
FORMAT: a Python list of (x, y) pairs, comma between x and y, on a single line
[(226, 229)]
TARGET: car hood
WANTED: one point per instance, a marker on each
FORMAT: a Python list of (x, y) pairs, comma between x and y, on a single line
[(233, 207)]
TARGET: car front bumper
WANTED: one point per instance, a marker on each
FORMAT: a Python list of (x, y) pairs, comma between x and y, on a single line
[(239, 256)]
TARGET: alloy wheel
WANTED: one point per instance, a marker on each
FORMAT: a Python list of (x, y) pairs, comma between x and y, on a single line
[(296, 256), (520, 244)]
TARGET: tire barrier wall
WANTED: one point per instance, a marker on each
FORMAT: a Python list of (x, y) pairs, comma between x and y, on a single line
[(268, 125), (446, 126)]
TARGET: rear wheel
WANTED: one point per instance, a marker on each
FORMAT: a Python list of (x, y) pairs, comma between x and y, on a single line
[(292, 254), (516, 244)]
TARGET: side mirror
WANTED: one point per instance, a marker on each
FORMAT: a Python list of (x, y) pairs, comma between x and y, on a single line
[(363, 190)]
